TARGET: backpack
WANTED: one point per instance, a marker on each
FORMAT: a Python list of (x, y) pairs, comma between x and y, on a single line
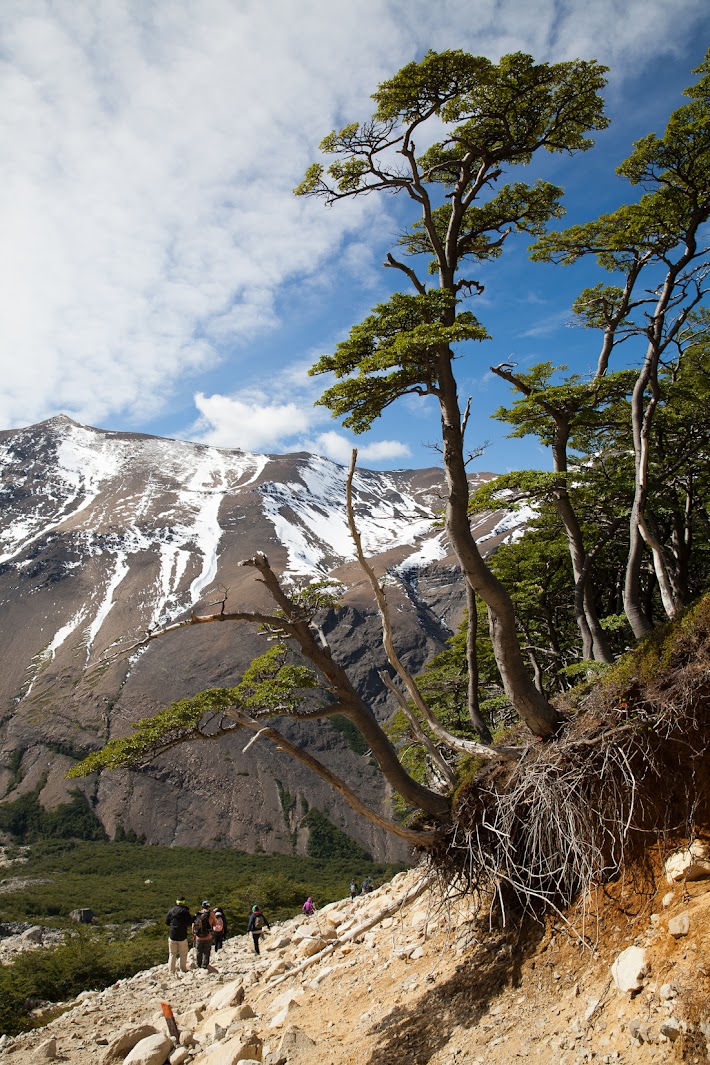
[(258, 922), (218, 925), (201, 924)]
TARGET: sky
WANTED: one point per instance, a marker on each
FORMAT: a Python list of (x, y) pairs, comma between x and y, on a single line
[(157, 274)]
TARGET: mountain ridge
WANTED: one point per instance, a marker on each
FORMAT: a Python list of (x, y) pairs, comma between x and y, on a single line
[(105, 536)]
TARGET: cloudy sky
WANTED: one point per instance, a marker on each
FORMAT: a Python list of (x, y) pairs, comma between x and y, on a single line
[(158, 275)]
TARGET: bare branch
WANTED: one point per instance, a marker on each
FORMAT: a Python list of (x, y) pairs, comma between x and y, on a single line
[(416, 838)]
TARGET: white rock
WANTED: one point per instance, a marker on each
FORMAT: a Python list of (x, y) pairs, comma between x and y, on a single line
[(667, 899), (47, 1051), (179, 1056), (231, 994), (629, 969), (154, 1050), (680, 925), (690, 864), (246, 1046), (125, 1040), (221, 1019), (283, 1015), (295, 1045), (285, 998)]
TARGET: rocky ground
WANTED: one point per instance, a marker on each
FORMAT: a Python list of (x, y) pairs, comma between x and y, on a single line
[(402, 976)]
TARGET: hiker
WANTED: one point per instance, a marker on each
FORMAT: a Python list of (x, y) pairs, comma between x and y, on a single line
[(353, 890), (219, 928), (202, 932), (367, 885), (308, 907), (257, 920), (178, 918)]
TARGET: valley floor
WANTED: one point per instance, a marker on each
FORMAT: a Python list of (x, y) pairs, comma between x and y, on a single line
[(427, 984)]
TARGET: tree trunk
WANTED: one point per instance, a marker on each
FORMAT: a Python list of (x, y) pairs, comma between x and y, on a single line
[(533, 707), (474, 709)]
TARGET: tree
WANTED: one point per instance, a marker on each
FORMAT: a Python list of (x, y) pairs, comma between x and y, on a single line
[(495, 116), (659, 240)]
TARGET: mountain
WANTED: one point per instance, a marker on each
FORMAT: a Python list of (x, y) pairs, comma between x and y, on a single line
[(105, 536)]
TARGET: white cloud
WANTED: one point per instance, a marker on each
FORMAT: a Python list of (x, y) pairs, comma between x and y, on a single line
[(339, 447), (147, 157), (252, 424)]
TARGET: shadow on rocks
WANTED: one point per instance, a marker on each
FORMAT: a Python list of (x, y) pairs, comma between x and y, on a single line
[(411, 1035)]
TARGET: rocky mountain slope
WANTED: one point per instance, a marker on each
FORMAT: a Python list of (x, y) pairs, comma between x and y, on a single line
[(105, 536), (409, 975)]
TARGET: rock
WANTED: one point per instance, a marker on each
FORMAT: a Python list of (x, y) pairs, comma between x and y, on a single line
[(221, 1019), (82, 916), (192, 1017), (153, 1050), (629, 969), (47, 1051), (278, 967), (690, 864), (245, 1012), (33, 934), (294, 1044), (246, 1046), (278, 943), (283, 1015), (285, 998), (670, 1029), (126, 1039), (667, 992), (667, 899), (680, 925), (179, 1056), (308, 947), (231, 994)]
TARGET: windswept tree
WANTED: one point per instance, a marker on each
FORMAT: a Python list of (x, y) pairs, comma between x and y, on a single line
[(494, 118)]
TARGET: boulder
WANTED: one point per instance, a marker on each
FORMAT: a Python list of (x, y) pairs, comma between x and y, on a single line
[(231, 994), (309, 947), (220, 1019), (126, 1039), (153, 1050), (33, 934), (679, 926), (245, 1046), (179, 1056), (690, 864), (294, 1045), (629, 969), (46, 1051)]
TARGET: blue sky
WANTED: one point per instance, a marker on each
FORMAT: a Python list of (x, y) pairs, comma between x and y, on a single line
[(156, 273)]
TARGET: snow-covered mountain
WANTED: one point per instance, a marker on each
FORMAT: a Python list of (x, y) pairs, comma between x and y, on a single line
[(104, 536)]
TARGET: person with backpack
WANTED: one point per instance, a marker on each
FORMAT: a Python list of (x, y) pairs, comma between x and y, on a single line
[(308, 907), (202, 933), (219, 928), (178, 919), (353, 890), (257, 922)]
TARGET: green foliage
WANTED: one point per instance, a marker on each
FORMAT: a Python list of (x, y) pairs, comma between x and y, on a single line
[(86, 960), (326, 840), (352, 736), (125, 884), (393, 353), (26, 820), (271, 685)]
